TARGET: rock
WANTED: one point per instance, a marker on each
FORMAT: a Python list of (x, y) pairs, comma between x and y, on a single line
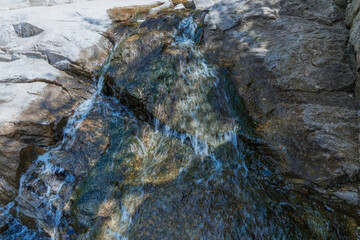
[(132, 166), (157, 77), (353, 21), (14, 160), (352, 11), (4, 222), (48, 57), (164, 6), (288, 62), (35, 101), (350, 197), (26, 30), (202, 4), (15, 4), (35, 111), (58, 41), (179, 7), (60, 178)]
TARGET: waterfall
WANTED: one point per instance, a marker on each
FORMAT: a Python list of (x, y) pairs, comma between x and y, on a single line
[(52, 200), (153, 151), (184, 171)]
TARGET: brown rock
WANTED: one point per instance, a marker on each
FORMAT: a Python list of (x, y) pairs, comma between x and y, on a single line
[(288, 62)]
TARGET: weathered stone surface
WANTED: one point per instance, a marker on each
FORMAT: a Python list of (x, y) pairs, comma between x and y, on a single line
[(352, 12), (353, 22), (26, 30), (202, 4), (288, 61), (162, 7), (35, 101), (47, 59)]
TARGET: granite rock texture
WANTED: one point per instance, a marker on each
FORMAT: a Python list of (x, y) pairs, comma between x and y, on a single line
[(291, 63)]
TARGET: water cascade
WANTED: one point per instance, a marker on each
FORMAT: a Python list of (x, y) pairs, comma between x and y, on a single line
[(45, 187), (182, 172)]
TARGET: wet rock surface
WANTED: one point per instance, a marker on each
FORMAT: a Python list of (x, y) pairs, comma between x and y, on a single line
[(353, 22), (290, 64), (156, 77), (209, 108), (48, 58), (317, 109)]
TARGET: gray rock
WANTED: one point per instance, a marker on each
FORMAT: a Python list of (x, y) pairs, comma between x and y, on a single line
[(352, 11), (288, 62), (353, 22), (26, 30), (350, 197)]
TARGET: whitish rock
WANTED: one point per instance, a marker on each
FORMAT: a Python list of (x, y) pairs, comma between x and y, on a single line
[(164, 6), (202, 4), (179, 7), (26, 70), (71, 32), (14, 4)]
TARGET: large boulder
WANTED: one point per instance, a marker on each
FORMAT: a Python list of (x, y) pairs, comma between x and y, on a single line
[(291, 64)]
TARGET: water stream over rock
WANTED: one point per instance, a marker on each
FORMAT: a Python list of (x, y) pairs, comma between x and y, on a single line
[(166, 156)]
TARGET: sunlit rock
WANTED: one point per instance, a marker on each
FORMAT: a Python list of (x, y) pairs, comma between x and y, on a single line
[(298, 86)]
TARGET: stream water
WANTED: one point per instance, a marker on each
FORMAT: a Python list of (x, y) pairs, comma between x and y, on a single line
[(158, 181)]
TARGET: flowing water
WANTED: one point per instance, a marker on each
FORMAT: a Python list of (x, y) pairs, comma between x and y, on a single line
[(193, 177)]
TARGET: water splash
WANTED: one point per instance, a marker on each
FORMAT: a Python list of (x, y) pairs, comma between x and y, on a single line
[(186, 30), (85, 107)]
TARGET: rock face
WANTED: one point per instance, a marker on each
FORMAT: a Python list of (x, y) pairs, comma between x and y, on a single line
[(47, 59), (353, 22), (172, 83), (158, 181), (181, 142), (35, 105), (290, 63)]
